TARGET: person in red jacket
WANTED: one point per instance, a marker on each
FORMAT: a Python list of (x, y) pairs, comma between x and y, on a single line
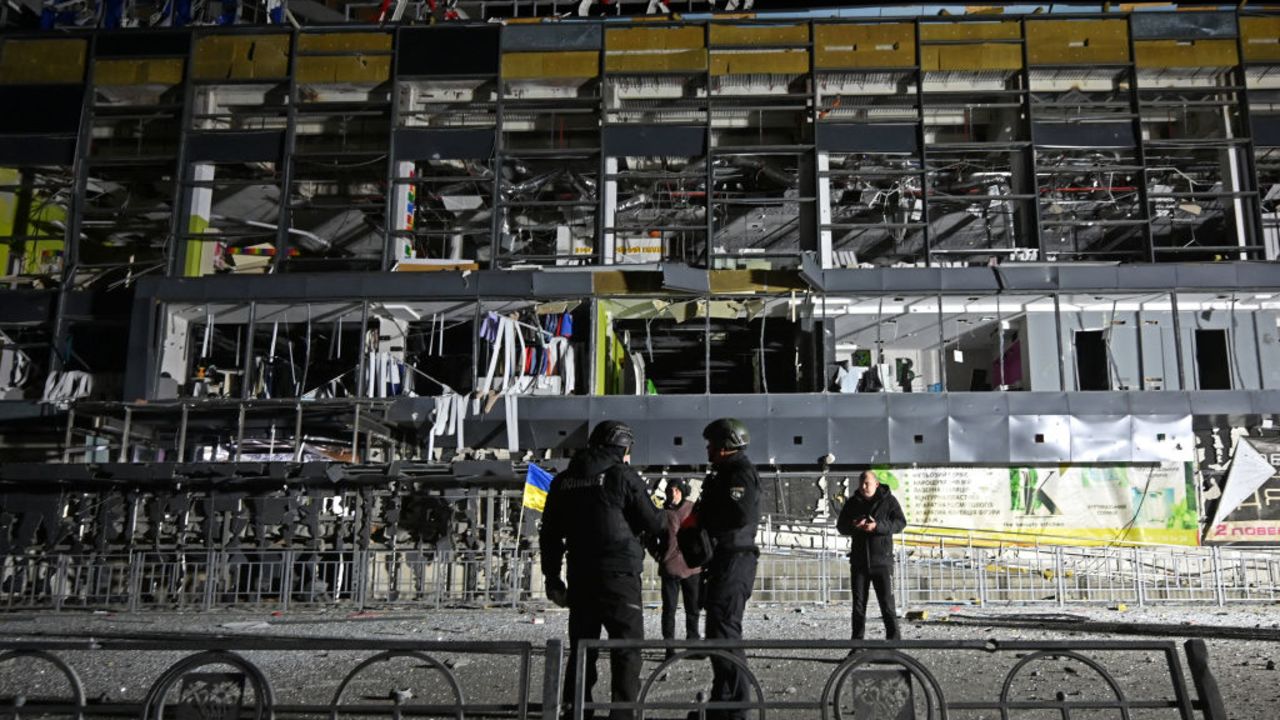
[(678, 579), (872, 516)]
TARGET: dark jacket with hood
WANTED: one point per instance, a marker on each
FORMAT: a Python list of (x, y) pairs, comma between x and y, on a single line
[(729, 506), (874, 550), (596, 511)]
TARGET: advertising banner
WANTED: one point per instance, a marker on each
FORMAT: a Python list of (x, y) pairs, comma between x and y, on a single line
[(1098, 503), (1248, 512)]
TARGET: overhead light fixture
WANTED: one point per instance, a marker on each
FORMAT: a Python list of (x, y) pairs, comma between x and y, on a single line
[(403, 312)]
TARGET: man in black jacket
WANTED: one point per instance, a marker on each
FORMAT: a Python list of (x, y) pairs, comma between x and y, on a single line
[(729, 510), (596, 511), (872, 516)]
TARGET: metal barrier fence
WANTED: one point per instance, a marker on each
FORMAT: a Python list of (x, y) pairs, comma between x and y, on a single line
[(923, 679), (204, 580), (265, 677), (930, 569), (195, 677)]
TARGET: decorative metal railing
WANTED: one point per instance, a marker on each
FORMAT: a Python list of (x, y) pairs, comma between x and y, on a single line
[(191, 676)]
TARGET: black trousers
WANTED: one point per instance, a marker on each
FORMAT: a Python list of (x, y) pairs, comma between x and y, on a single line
[(730, 578), (882, 580), (673, 588), (610, 602)]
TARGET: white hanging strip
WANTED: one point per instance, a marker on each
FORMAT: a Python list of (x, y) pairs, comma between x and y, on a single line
[(560, 361), (450, 414), (553, 356), (513, 421), (508, 345), (568, 371), (306, 361), (293, 370), (486, 385), (395, 381), (408, 383), (208, 333), (459, 414), (519, 383), (440, 421)]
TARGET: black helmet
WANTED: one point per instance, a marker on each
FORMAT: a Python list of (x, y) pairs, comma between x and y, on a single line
[(612, 433), (727, 433)]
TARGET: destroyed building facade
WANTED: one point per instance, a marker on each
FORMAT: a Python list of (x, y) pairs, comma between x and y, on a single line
[(320, 290)]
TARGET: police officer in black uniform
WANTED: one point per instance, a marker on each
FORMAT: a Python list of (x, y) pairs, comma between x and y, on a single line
[(729, 510), (596, 511)]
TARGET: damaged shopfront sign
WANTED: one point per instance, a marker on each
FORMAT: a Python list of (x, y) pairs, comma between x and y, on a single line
[(1248, 511), (1082, 503)]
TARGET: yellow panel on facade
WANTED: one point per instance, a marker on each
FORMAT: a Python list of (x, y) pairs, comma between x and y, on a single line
[(8, 211), (160, 71), (344, 68), (200, 254), (1077, 42), (864, 46), (960, 31), (1185, 53), (42, 61), (531, 65), (616, 282), (677, 61), (658, 38), (782, 62), (41, 254), (241, 57), (344, 42), (989, 56), (753, 281), (762, 35), (1260, 39)]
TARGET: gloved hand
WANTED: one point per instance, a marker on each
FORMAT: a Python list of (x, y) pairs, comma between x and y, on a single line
[(656, 545), (557, 592)]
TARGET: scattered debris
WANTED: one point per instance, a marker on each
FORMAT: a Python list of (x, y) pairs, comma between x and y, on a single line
[(245, 625)]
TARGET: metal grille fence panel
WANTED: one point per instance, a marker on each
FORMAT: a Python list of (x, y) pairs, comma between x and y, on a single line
[(275, 676), (806, 567), (916, 679)]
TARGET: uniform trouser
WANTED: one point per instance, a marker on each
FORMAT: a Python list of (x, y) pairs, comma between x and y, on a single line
[(882, 580), (730, 578), (609, 601), (673, 588)]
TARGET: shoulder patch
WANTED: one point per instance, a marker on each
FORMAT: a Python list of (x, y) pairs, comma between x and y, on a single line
[(580, 483), (737, 492)]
